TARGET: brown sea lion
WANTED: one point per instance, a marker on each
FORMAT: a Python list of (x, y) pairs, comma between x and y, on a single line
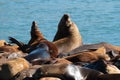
[(68, 36), (89, 56), (36, 38), (2, 43), (110, 49), (12, 67), (9, 48)]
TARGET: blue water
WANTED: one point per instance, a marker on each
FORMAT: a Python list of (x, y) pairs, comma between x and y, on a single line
[(97, 20)]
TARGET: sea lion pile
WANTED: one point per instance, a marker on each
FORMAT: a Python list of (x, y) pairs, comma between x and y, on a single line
[(65, 58)]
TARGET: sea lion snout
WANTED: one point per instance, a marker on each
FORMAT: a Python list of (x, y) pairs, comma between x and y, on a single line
[(67, 20), (66, 16)]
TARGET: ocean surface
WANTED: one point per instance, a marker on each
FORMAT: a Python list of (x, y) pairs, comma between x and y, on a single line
[(97, 20)]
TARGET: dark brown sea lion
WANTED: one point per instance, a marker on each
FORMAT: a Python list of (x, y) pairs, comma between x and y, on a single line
[(41, 52), (109, 77), (66, 72), (68, 36), (36, 38), (103, 66)]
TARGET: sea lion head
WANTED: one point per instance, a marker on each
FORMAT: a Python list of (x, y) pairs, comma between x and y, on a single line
[(63, 27)]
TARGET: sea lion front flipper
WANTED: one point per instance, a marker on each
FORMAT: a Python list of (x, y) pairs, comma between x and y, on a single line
[(13, 40), (21, 45)]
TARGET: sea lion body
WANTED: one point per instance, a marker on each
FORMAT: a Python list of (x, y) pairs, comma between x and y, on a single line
[(41, 52)]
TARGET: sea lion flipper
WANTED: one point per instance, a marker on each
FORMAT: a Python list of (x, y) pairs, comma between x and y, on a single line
[(21, 45), (13, 40)]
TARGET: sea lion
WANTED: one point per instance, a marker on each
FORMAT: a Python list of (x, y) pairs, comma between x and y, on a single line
[(41, 52), (12, 67), (104, 67), (9, 48), (109, 77), (99, 65), (112, 50), (36, 38), (89, 56), (3, 43), (66, 72), (68, 36)]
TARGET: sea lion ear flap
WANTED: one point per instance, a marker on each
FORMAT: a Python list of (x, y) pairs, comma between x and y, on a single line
[(101, 50)]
